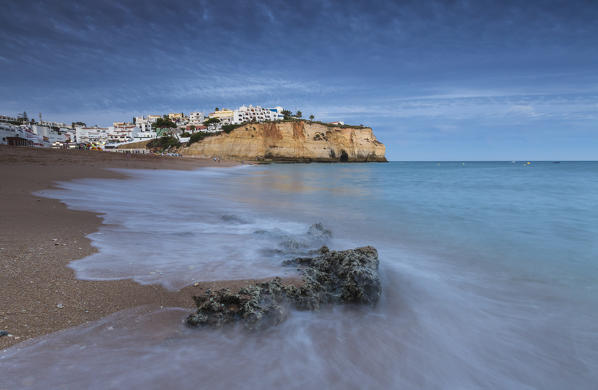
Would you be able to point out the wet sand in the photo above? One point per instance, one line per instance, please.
(39, 294)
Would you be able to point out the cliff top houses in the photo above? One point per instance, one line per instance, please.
(23, 132)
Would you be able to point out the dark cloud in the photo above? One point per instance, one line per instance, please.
(74, 58)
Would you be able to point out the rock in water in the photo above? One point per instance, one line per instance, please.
(256, 306)
(317, 230)
(349, 276)
(337, 277)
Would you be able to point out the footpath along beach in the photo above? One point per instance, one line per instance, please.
(39, 293)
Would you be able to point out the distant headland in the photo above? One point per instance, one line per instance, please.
(291, 141)
(247, 133)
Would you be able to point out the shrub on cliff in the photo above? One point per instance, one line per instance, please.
(196, 137)
(164, 143)
(228, 128)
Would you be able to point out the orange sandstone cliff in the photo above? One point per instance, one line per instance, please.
(299, 141)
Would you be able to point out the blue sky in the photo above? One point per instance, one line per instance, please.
(437, 80)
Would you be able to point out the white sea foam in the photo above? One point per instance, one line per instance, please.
(175, 228)
(480, 289)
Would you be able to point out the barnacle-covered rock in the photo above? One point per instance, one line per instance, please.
(349, 276)
(331, 277)
(256, 306)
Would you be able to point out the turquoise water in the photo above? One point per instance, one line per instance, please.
(489, 270)
(539, 219)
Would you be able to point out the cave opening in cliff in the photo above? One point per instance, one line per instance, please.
(344, 156)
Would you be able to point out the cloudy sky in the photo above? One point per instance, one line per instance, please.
(437, 80)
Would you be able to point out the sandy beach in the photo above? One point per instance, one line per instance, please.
(39, 237)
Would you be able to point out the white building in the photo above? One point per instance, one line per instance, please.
(21, 136)
(71, 135)
(52, 124)
(12, 135)
(144, 126)
(35, 135)
(121, 132)
(144, 135)
(92, 135)
(50, 134)
(5, 118)
(276, 113)
(196, 118)
(257, 114)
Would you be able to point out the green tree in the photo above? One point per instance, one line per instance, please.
(228, 128)
(311, 117)
(286, 113)
(299, 114)
(209, 121)
(216, 109)
(163, 123)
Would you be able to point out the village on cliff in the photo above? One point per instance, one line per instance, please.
(24, 131)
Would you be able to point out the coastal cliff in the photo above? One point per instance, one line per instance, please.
(296, 141)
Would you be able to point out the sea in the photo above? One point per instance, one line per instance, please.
(489, 273)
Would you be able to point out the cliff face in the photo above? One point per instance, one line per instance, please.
(291, 141)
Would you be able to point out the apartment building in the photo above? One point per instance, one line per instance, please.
(257, 114)
(122, 132)
(94, 135)
(196, 118)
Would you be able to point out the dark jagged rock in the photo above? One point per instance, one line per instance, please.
(349, 276)
(331, 277)
(3, 333)
(317, 230)
(256, 306)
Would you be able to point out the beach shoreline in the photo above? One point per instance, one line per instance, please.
(39, 237)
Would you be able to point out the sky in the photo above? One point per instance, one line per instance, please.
(436, 80)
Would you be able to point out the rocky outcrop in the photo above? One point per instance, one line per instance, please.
(337, 277)
(298, 141)
(257, 306)
(349, 276)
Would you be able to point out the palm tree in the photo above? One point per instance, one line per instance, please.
(311, 117)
